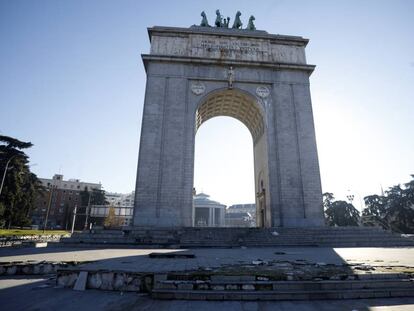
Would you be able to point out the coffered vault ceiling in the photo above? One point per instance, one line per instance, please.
(232, 103)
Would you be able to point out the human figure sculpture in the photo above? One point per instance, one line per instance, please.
(250, 25)
(226, 22)
(204, 22)
(230, 76)
(219, 21)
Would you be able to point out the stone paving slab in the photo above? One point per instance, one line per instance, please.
(137, 260)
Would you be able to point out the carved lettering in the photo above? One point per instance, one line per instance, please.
(230, 47)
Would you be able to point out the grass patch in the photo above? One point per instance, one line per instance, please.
(20, 232)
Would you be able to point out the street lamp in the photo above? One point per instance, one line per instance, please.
(350, 198)
(5, 171)
(48, 207)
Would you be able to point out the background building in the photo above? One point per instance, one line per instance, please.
(241, 215)
(63, 196)
(208, 213)
(120, 199)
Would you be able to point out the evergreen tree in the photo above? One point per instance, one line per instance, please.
(19, 187)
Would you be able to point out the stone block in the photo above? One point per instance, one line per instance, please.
(185, 286)
(119, 281)
(94, 281)
(134, 284)
(67, 279)
(27, 269)
(11, 270)
(402, 293)
(48, 268)
(248, 287)
(81, 281)
(217, 287)
(232, 287)
(107, 280)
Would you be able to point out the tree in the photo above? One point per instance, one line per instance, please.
(375, 211)
(112, 220)
(376, 205)
(89, 197)
(394, 210)
(328, 198)
(97, 197)
(339, 213)
(20, 186)
(400, 211)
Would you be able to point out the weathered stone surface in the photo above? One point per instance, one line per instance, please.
(217, 287)
(48, 268)
(228, 45)
(119, 282)
(186, 286)
(67, 280)
(134, 284)
(107, 280)
(94, 281)
(80, 283)
(248, 287)
(232, 287)
(11, 270)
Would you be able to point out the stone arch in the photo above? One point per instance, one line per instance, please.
(186, 86)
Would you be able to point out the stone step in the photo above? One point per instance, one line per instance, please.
(251, 237)
(230, 288)
(280, 295)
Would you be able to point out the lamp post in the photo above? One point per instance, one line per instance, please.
(48, 208)
(5, 171)
(350, 198)
(74, 218)
(87, 210)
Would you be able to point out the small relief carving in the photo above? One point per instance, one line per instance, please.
(198, 88)
(230, 76)
(262, 91)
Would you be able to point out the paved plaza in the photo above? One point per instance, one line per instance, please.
(137, 260)
(41, 292)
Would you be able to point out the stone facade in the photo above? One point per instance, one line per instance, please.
(63, 195)
(197, 73)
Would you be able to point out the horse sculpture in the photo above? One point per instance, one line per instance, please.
(219, 21)
(225, 22)
(237, 22)
(204, 22)
(250, 25)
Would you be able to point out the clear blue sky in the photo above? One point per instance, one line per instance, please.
(72, 82)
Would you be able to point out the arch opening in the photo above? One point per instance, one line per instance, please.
(243, 107)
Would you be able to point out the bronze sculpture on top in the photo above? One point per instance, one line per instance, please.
(204, 21)
(237, 22)
(250, 25)
(222, 22)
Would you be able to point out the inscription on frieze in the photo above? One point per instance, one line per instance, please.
(230, 48)
(227, 46)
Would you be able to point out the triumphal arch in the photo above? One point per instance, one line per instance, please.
(197, 73)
